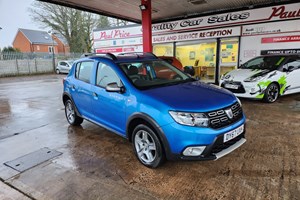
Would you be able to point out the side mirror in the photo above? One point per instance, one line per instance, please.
(113, 87)
(289, 69)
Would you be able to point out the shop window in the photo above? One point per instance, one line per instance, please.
(163, 49)
(199, 55)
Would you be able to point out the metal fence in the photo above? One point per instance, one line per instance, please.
(14, 63)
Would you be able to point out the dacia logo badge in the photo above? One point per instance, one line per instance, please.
(229, 113)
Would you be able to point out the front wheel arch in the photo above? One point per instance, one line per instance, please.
(142, 118)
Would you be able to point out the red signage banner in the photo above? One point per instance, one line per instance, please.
(294, 38)
(110, 50)
(115, 50)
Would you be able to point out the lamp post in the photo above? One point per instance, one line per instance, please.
(53, 58)
(0, 48)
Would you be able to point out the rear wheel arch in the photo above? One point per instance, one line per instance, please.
(65, 97)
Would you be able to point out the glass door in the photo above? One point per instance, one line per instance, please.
(229, 48)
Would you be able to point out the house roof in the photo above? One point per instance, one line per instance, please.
(62, 38)
(37, 37)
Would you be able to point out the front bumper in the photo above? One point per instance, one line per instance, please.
(245, 89)
(218, 149)
(185, 136)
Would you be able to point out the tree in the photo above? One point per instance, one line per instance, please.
(10, 49)
(75, 25)
(119, 22)
(103, 22)
(10, 53)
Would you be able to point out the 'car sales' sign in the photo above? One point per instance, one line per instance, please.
(274, 13)
(283, 12)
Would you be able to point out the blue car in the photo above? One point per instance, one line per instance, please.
(164, 112)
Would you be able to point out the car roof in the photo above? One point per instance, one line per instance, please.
(122, 57)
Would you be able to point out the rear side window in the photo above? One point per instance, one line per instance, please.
(83, 71)
(63, 63)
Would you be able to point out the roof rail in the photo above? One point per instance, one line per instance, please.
(108, 55)
(138, 54)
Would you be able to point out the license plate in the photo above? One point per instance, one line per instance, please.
(233, 134)
(230, 86)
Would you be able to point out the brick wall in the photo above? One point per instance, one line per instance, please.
(22, 43)
(61, 48)
(42, 48)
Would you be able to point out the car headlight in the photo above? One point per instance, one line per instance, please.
(253, 79)
(225, 76)
(190, 119)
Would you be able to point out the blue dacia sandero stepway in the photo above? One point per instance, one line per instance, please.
(164, 112)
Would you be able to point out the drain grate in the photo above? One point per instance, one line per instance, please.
(32, 159)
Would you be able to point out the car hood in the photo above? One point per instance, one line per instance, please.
(242, 74)
(192, 97)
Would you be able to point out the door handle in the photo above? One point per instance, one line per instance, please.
(72, 87)
(95, 94)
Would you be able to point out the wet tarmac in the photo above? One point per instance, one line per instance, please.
(97, 164)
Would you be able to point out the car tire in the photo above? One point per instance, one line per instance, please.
(147, 147)
(57, 71)
(71, 114)
(271, 93)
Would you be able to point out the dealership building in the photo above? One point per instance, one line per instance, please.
(213, 44)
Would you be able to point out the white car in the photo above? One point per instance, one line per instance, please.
(64, 66)
(265, 77)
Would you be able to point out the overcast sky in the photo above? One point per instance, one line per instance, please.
(14, 14)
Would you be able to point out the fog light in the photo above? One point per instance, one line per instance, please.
(193, 151)
(252, 90)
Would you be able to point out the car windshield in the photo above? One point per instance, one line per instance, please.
(266, 62)
(150, 74)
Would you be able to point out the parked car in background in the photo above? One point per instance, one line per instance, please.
(64, 66)
(265, 77)
(173, 61)
(173, 117)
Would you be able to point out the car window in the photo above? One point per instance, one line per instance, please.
(83, 71)
(106, 75)
(63, 63)
(266, 62)
(156, 73)
(293, 64)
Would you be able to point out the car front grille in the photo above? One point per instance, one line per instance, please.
(221, 118)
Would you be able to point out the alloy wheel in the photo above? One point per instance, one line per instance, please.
(273, 93)
(70, 113)
(145, 146)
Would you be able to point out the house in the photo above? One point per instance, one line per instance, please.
(62, 43)
(34, 41)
